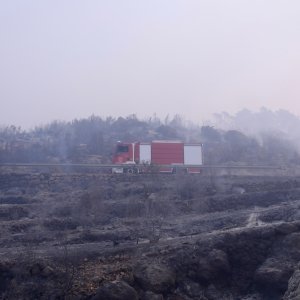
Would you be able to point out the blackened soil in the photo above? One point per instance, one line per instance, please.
(65, 236)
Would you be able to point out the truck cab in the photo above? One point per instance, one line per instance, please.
(122, 153)
(125, 154)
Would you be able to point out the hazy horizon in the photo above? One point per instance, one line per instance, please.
(72, 59)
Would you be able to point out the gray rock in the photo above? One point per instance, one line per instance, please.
(219, 261)
(47, 271)
(152, 196)
(156, 278)
(36, 269)
(212, 293)
(238, 190)
(293, 291)
(214, 266)
(151, 296)
(252, 297)
(192, 289)
(205, 271)
(286, 228)
(273, 275)
(116, 290)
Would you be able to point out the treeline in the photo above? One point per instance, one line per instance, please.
(232, 146)
(95, 136)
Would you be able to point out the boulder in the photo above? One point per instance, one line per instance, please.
(36, 269)
(273, 276)
(116, 290)
(6, 275)
(205, 271)
(47, 272)
(255, 296)
(151, 296)
(293, 291)
(156, 278)
(212, 293)
(191, 288)
(213, 266)
(286, 228)
(219, 261)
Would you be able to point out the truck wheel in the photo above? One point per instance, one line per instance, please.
(130, 171)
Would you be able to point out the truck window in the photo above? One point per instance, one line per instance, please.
(122, 149)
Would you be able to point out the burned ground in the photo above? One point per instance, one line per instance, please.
(99, 236)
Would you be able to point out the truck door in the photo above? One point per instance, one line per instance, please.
(145, 153)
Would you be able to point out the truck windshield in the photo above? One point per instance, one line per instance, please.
(122, 149)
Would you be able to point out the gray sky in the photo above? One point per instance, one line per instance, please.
(69, 59)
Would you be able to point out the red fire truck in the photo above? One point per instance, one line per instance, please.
(161, 155)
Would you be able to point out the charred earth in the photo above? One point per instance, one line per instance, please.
(101, 236)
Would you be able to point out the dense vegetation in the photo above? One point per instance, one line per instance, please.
(95, 136)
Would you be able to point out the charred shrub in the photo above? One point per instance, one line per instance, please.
(62, 211)
(187, 187)
(60, 224)
(20, 227)
(135, 208)
(91, 208)
(127, 189)
(13, 200)
(6, 275)
(286, 214)
(13, 213)
(91, 201)
(97, 236)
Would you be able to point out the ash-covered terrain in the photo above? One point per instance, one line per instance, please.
(152, 236)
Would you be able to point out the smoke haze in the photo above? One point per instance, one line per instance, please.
(71, 59)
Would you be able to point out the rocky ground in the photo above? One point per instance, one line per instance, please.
(101, 236)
